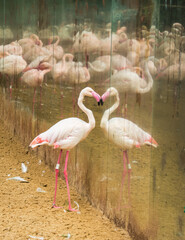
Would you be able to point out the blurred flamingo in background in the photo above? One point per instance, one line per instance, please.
(34, 51)
(103, 64)
(128, 81)
(55, 49)
(59, 71)
(35, 77)
(66, 134)
(124, 133)
(28, 42)
(61, 68)
(11, 65)
(71, 72)
(86, 42)
(12, 48)
(76, 74)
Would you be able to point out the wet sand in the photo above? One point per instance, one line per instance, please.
(27, 213)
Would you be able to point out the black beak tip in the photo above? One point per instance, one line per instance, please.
(100, 102)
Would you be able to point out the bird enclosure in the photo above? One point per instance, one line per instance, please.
(52, 49)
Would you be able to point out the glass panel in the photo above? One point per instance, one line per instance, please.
(167, 165)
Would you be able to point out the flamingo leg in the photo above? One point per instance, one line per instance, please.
(129, 173)
(123, 177)
(65, 174)
(125, 107)
(138, 99)
(61, 103)
(74, 96)
(40, 95)
(11, 83)
(86, 59)
(34, 95)
(56, 179)
(124, 168)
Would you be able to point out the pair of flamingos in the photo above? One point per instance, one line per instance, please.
(67, 133)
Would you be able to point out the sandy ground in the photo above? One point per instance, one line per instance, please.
(26, 213)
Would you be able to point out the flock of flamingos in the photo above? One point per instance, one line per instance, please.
(132, 65)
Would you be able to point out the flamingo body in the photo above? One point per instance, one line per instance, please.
(121, 131)
(127, 134)
(129, 81)
(124, 133)
(12, 64)
(33, 77)
(65, 134)
(55, 49)
(13, 48)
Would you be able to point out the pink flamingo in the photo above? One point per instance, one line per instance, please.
(76, 74)
(66, 134)
(128, 81)
(35, 77)
(61, 68)
(26, 43)
(34, 51)
(12, 48)
(86, 42)
(12, 65)
(55, 49)
(38, 60)
(104, 63)
(124, 133)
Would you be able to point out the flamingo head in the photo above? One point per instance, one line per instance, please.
(109, 92)
(89, 92)
(44, 65)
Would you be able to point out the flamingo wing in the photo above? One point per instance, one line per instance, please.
(127, 134)
(119, 134)
(65, 134)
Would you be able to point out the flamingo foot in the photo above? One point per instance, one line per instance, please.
(73, 210)
(54, 206)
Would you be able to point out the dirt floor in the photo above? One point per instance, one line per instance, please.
(26, 213)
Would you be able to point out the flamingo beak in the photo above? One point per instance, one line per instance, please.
(97, 97)
(104, 96)
(100, 102)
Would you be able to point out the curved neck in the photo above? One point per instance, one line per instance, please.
(43, 72)
(87, 111)
(108, 112)
(69, 56)
(148, 78)
(52, 39)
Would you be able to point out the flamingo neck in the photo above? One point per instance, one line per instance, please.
(149, 79)
(108, 112)
(87, 111)
(70, 56)
(52, 39)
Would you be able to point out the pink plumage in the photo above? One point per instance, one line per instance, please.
(124, 134)
(121, 131)
(66, 134)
